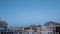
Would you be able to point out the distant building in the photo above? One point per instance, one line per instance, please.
(14, 31)
(33, 29)
(3, 27)
(50, 28)
(44, 30)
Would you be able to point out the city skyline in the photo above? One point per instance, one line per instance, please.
(48, 28)
(29, 12)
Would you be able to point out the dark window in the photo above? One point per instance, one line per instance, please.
(50, 32)
(47, 27)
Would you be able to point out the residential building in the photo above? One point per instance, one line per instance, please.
(3, 27)
(14, 31)
(50, 28)
(33, 29)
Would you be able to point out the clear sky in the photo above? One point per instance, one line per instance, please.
(29, 12)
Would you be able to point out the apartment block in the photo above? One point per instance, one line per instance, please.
(48, 28)
(3, 27)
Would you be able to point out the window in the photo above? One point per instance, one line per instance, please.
(47, 27)
(50, 32)
(50, 28)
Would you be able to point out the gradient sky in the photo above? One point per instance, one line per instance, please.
(29, 12)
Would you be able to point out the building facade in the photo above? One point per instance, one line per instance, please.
(50, 28)
(3, 27)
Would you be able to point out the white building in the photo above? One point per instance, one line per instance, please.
(50, 28)
(33, 30)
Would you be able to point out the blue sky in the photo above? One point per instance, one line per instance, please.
(29, 12)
